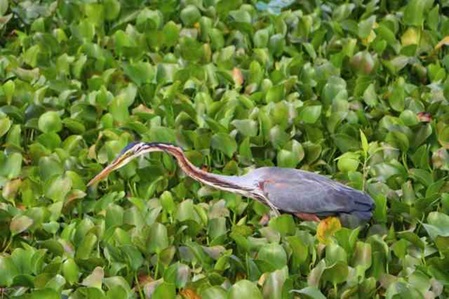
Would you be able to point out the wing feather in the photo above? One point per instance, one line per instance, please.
(294, 191)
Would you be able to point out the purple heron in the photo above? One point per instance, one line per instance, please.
(307, 195)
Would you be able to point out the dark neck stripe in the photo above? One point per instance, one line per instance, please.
(199, 174)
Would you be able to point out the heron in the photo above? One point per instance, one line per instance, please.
(307, 195)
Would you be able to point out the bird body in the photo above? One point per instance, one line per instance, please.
(305, 194)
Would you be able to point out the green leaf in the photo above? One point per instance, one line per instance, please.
(291, 157)
(362, 259)
(334, 254)
(86, 247)
(186, 211)
(170, 33)
(443, 136)
(70, 271)
(45, 294)
(7, 271)
(366, 26)
(117, 284)
(370, 96)
(11, 165)
(261, 38)
(164, 290)
(244, 289)
(276, 45)
(50, 122)
(49, 167)
(349, 161)
(158, 238)
(140, 72)
(283, 224)
(224, 143)
(414, 12)
(190, 15)
(310, 114)
(167, 202)
(31, 55)
(300, 251)
(275, 93)
(364, 143)
(111, 9)
(134, 257)
(311, 292)
(3, 7)
(5, 124)
(274, 283)
(246, 126)
(214, 292)
(9, 88)
(57, 188)
(337, 273)
(437, 225)
(273, 254)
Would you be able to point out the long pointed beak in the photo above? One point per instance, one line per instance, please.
(103, 174)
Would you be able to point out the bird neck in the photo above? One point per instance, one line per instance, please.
(222, 182)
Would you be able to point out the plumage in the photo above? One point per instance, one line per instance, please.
(293, 191)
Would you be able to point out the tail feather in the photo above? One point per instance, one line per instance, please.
(362, 211)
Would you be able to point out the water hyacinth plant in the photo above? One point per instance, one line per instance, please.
(354, 90)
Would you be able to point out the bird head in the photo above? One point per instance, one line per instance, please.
(128, 153)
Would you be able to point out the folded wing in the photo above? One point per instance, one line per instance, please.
(297, 191)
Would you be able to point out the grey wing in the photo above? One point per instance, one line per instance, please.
(296, 191)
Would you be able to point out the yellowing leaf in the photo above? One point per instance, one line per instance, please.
(443, 42)
(19, 224)
(411, 37)
(95, 279)
(189, 294)
(237, 76)
(327, 228)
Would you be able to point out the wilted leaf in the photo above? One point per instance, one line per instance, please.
(19, 224)
(327, 228)
(95, 279)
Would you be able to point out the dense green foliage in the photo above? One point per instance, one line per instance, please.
(352, 89)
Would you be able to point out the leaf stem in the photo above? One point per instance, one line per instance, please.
(139, 288)
(8, 244)
(156, 271)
